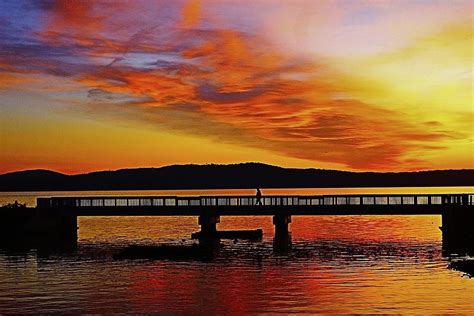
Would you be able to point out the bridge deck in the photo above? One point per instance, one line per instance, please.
(404, 204)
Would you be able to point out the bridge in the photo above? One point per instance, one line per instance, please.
(406, 204)
(59, 214)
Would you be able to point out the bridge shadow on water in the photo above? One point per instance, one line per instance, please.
(42, 245)
(282, 250)
(281, 246)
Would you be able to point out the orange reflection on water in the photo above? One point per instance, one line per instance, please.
(342, 228)
(135, 229)
(337, 264)
(386, 228)
(211, 289)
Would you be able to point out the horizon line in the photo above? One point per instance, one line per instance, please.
(229, 164)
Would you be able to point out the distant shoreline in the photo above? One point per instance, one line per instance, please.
(221, 177)
(249, 188)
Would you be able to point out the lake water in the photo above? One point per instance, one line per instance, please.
(336, 264)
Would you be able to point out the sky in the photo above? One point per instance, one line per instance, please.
(362, 85)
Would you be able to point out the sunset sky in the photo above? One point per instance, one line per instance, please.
(354, 85)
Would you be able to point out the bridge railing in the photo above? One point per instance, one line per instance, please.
(270, 200)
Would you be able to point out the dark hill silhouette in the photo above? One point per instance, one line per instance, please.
(24, 180)
(246, 175)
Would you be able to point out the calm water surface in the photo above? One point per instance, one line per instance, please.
(359, 264)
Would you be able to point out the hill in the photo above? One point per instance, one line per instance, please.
(246, 175)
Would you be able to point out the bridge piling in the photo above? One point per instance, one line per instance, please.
(282, 238)
(281, 222)
(35, 228)
(208, 224)
(458, 230)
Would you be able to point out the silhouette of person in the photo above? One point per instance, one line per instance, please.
(259, 197)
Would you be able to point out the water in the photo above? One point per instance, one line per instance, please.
(336, 264)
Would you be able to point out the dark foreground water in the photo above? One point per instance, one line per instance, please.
(356, 264)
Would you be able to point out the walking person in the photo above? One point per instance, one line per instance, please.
(259, 197)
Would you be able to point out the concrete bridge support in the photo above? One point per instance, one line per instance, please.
(458, 230)
(36, 228)
(208, 225)
(281, 223)
(282, 239)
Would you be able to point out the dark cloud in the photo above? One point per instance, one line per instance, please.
(209, 92)
(290, 101)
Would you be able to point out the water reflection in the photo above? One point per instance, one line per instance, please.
(42, 245)
(282, 242)
(245, 277)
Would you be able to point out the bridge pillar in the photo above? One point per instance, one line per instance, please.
(281, 223)
(208, 224)
(458, 230)
(38, 228)
(282, 238)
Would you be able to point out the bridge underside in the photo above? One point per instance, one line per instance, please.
(300, 210)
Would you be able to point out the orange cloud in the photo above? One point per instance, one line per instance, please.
(284, 107)
(191, 13)
(8, 80)
(72, 17)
